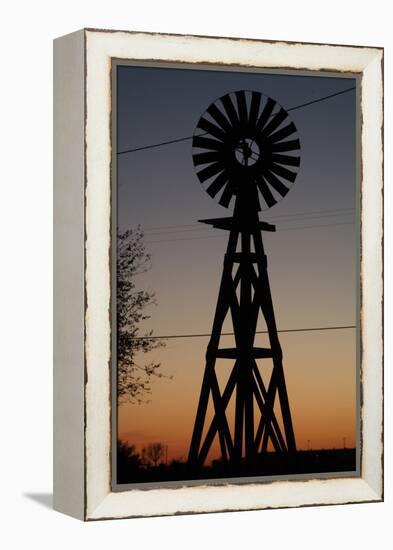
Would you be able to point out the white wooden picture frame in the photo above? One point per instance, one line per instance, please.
(82, 270)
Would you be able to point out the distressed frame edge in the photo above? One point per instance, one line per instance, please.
(371, 482)
(69, 277)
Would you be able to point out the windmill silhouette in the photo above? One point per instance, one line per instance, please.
(243, 158)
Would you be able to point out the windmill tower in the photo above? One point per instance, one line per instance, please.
(242, 154)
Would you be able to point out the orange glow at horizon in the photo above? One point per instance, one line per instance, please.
(321, 388)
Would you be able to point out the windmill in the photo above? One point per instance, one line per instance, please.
(246, 154)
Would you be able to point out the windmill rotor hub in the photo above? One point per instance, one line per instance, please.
(247, 152)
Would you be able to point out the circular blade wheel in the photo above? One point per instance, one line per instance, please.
(245, 144)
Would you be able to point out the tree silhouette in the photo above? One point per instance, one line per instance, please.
(133, 380)
(153, 453)
(127, 453)
(128, 462)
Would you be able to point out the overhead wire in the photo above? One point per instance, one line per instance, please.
(222, 236)
(198, 228)
(287, 330)
(177, 140)
(339, 211)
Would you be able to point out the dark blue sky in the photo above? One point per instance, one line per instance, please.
(161, 104)
(158, 189)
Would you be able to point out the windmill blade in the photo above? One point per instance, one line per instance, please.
(220, 119)
(205, 158)
(276, 183)
(267, 111)
(286, 159)
(211, 128)
(275, 122)
(265, 192)
(283, 172)
(242, 107)
(207, 143)
(283, 133)
(227, 194)
(230, 109)
(217, 184)
(254, 108)
(284, 146)
(210, 171)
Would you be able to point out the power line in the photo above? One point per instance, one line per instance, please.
(313, 212)
(169, 142)
(340, 212)
(199, 228)
(158, 144)
(221, 236)
(318, 225)
(322, 98)
(312, 329)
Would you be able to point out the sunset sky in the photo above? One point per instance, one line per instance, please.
(312, 258)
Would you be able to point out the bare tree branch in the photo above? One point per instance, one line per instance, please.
(133, 380)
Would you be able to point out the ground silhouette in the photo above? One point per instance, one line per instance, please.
(132, 468)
